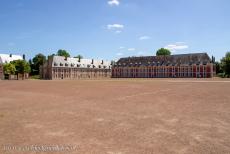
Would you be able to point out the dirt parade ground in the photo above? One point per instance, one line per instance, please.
(115, 116)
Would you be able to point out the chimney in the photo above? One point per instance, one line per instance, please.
(92, 61)
(10, 55)
(102, 62)
(24, 57)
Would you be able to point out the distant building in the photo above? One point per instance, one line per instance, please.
(58, 67)
(195, 65)
(7, 58)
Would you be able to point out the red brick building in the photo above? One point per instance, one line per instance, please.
(197, 65)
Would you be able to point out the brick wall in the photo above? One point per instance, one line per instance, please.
(1, 72)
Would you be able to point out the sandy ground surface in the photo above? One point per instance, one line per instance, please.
(117, 116)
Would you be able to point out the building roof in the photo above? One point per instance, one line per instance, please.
(7, 58)
(180, 59)
(60, 61)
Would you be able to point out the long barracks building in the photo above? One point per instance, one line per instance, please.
(58, 67)
(196, 65)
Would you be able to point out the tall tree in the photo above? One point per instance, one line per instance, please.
(63, 53)
(218, 67)
(163, 52)
(113, 62)
(225, 63)
(38, 60)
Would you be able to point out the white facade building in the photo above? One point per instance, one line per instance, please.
(58, 67)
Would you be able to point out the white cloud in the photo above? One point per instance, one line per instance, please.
(121, 48)
(177, 46)
(115, 26)
(131, 49)
(119, 54)
(144, 38)
(113, 2)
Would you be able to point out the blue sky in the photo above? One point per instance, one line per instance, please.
(110, 29)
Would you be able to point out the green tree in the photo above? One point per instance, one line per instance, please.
(38, 60)
(163, 52)
(113, 62)
(22, 67)
(63, 53)
(218, 67)
(9, 69)
(225, 64)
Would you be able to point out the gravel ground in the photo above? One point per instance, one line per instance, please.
(115, 116)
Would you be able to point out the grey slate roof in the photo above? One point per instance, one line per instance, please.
(7, 58)
(180, 59)
(60, 61)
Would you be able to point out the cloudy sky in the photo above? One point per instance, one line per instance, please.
(110, 29)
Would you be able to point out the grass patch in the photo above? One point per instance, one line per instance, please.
(35, 77)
